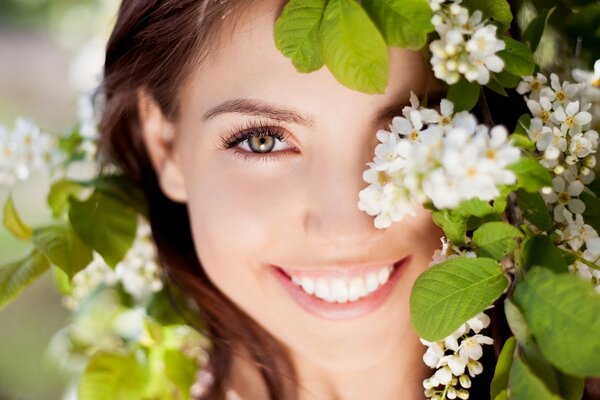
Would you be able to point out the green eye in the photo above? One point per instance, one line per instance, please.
(261, 143)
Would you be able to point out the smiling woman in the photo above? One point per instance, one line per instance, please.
(260, 166)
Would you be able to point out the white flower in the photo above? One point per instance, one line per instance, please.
(571, 117)
(541, 108)
(582, 145)
(560, 94)
(470, 347)
(576, 233)
(532, 85)
(563, 194)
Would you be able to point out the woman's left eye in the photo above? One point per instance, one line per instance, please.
(258, 141)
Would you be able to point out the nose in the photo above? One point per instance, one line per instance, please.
(331, 215)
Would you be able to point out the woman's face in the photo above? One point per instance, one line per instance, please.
(258, 218)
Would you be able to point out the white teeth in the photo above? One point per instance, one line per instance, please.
(342, 290)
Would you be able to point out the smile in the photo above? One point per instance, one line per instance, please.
(341, 293)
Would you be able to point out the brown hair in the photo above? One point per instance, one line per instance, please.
(155, 45)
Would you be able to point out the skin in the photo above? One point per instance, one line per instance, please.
(298, 210)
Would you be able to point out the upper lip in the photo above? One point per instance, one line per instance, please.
(338, 270)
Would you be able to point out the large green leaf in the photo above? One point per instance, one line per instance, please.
(404, 23)
(495, 239)
(105, 224)
(13, 221)
(297, 33)
(525, 385)
(450, 293)
(15, 276)
(61, 245)
(111, 376)
(501, 374)
(353, 49)
(518, 59)
(498, 11)
(563, 313)
(531, 175)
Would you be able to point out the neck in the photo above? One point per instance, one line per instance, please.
(399, 374)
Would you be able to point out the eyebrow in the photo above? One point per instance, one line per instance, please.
(284, 114)
(259, 109)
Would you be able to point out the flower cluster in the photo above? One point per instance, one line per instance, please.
(562, 132)
(138, 272)
(456, 360)
(434, 156)
(467, 45)
(25, 151)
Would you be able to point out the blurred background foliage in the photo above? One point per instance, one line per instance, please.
(50, 54)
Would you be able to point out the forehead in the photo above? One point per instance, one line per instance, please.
(246, 64)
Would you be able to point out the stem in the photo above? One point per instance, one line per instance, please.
(444, 392)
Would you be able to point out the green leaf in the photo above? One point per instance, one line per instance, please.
(516, 322)
(464, 95)
(180, 370)
(495, 239)
(525, 385)
(404, 23)
(111, 376)
(122, 189)
(518, 59)
(453, 224)
(16, 276)
(497, 87)
(297, 33)
(13, 222)
(60, 191)
(105, 224)
(534, 31)
(591, 215)
(563, 313)
(540, 251)
(353, 48)
(507, 80)
(62, 281)
(498, 11)
(570, 387)
(523, 142)
(61, 245)
(531, 175)
(450, 293)
(523, 124)
(503, 395)
(534, 209)
(505, 359)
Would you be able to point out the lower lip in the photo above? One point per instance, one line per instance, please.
(341, 311)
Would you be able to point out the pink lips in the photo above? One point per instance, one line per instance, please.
(340, 311)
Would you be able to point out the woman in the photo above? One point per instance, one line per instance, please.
(252, 172)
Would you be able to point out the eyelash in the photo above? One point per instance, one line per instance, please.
(250, 129)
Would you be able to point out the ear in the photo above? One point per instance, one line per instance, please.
(158, 134)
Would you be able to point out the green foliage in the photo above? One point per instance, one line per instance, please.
(464, 95)
(503, 366)
(495, 239)
(404, 23)
(105, 224)
(453, 224)
(16, 276)
(60, 191)
(297, 33)
(353, 49)
(525, 385)
(13, 221)
(111, 376)
(531, 175)
(518, 59)
(534, 209)
(539, 250)
(534, 31)
(179, 370)
(438, 303)
(61, 245)
(498, 11)
(563, 313)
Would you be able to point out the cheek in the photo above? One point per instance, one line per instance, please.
(236, 213)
